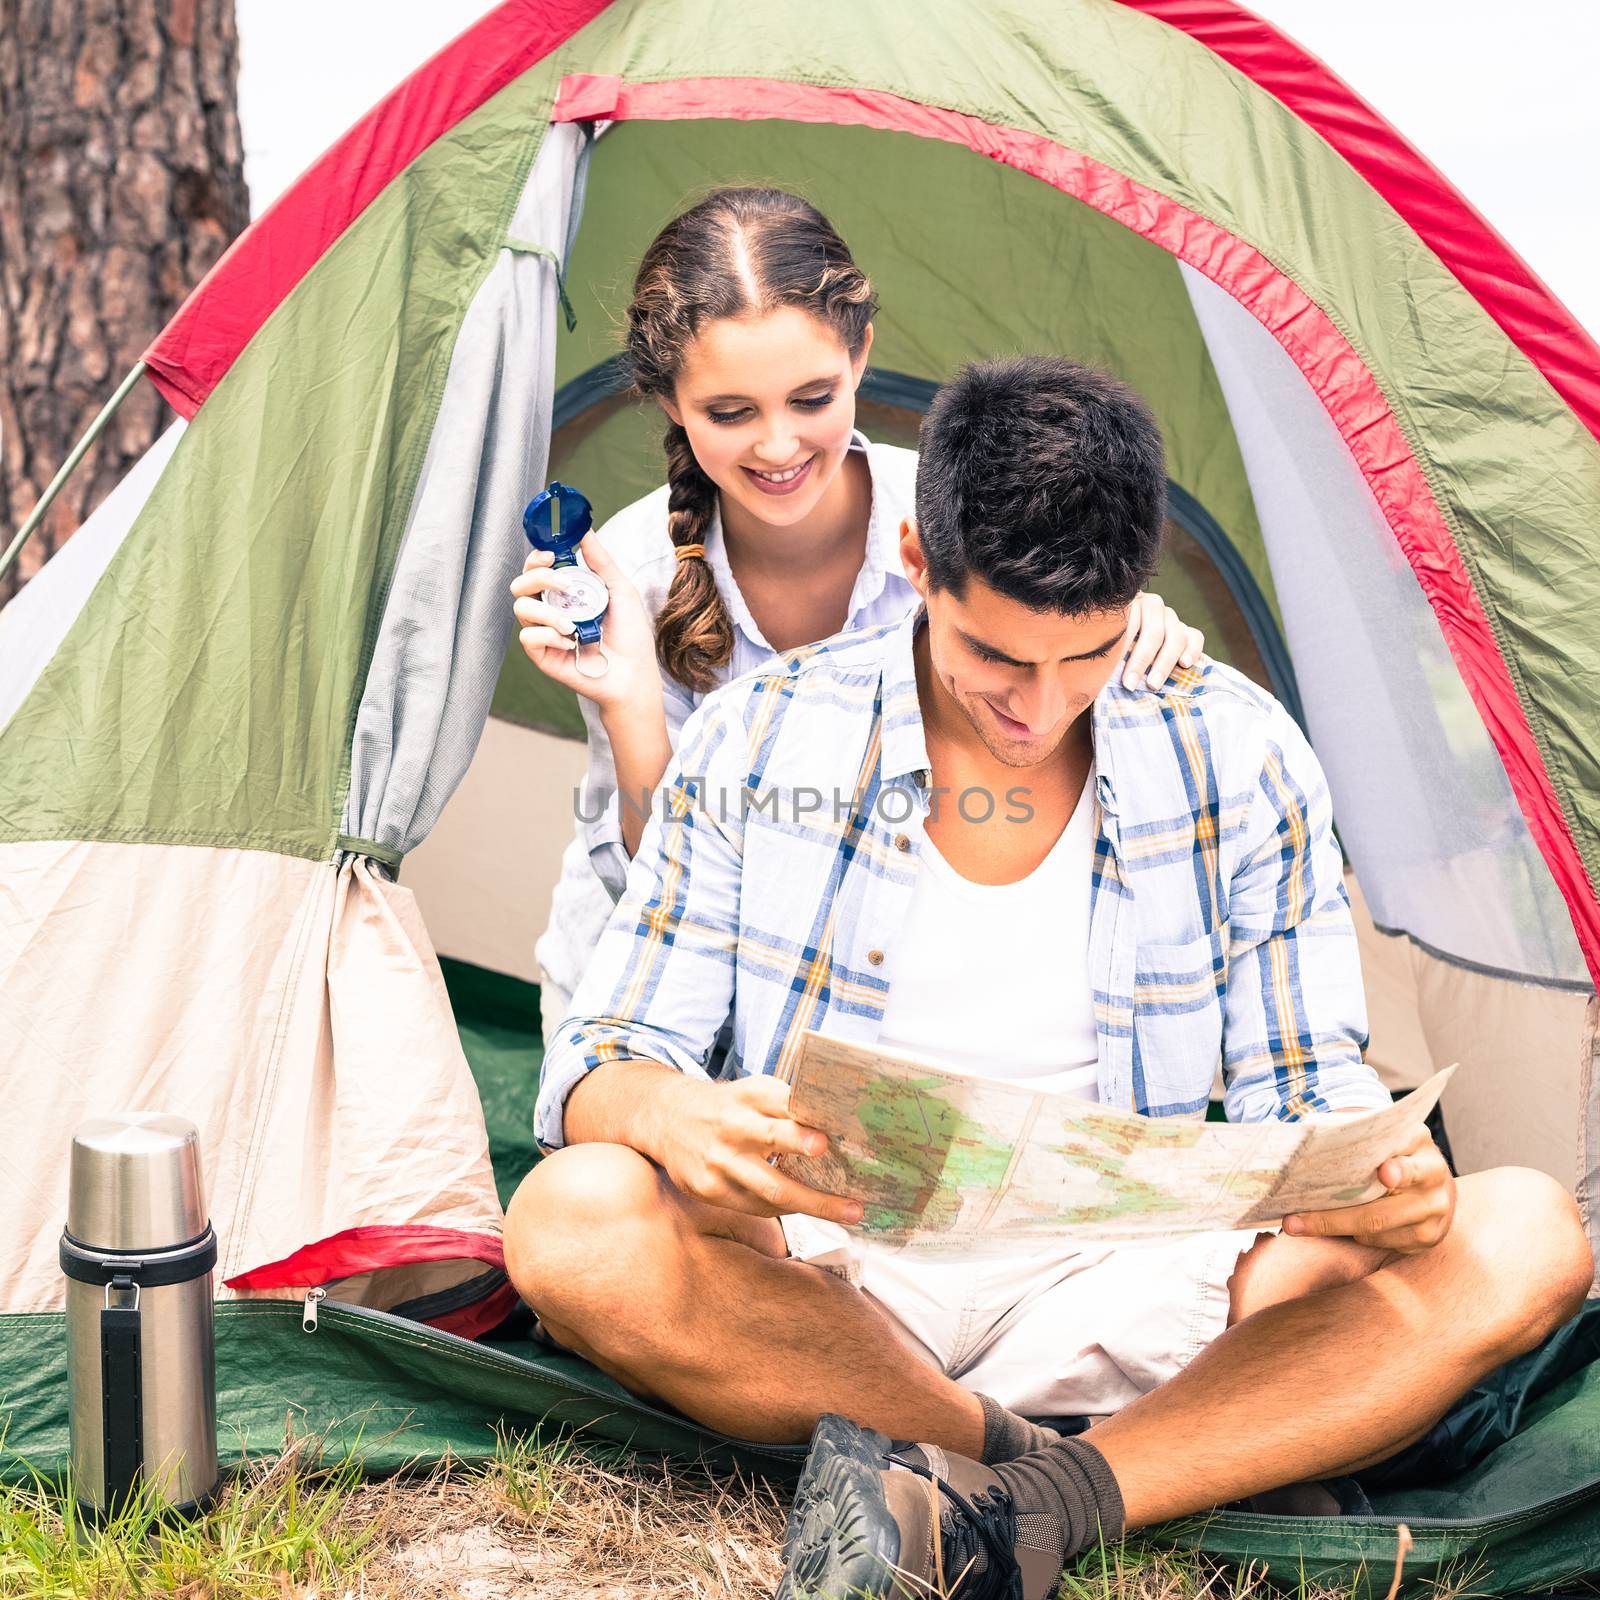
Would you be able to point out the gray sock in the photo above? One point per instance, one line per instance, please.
(1071, 1483)
(1007, 1436)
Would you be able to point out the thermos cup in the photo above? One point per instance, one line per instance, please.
(138, 1252)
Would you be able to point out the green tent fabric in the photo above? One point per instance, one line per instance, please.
(261, 680)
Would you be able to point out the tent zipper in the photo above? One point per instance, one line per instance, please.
(419, 1333)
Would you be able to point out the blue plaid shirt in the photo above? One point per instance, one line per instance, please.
(778, 868)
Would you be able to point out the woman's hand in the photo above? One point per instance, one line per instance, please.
(1157, 640)
(631, 677)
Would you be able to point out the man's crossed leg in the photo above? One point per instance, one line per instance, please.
(1336, 1354)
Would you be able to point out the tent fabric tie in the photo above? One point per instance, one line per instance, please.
(528, 248)
(384, 854)
(580, 184)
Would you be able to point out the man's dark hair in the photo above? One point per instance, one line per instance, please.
(1046, 479)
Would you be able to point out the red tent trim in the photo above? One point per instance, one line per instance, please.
(1441, 216)
(379, 1246)
(1325, 357)
(261, 267)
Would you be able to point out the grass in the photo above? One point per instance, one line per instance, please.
(281, 1527)
(549, 1519)
(552, 1519)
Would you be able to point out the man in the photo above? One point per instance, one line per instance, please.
(962, 837)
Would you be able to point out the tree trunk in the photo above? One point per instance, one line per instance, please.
(121, 182)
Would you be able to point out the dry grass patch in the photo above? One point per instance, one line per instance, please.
(557, 1521)
(548, 1519)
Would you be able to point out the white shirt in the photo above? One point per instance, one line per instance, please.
(993, 979)
(595, 863)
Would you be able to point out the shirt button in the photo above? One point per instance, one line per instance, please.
(901, 842)
(875, 957)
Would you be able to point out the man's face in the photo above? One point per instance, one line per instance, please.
(1020, 677)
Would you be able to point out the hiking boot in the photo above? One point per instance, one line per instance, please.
(874, 1518)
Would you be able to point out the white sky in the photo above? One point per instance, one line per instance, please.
(1505, 100)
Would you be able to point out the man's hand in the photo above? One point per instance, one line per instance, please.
(717, 1141)
(1415, 1214)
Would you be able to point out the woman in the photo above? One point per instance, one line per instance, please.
(778, 525)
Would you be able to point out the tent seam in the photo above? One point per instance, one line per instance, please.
(389, 116)
(1565, 785)
(245, 1199)
(1561, 779)
(1331, 122)
(299, 849)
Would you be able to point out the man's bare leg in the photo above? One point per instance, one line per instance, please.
(1339, 1355)
(678, 1299)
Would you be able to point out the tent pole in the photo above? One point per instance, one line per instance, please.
(57, 483)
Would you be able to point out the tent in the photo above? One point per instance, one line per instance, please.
(265, 758)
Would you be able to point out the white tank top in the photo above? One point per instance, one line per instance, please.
(993, 979)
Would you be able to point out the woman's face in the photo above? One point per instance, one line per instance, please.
(769, 403)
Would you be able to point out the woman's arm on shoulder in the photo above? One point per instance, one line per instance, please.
(1158, 640)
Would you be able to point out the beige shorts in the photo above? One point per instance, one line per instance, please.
(1063, 1334)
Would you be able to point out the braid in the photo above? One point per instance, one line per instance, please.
(694, 634)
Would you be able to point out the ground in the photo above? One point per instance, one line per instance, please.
(547, 1520)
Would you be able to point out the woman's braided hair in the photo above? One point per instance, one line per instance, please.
(738, 252)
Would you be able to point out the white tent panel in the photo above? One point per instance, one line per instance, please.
(1421, 801)
(33, 625)
(313, 1046)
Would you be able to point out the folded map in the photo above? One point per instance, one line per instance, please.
(945, 1162)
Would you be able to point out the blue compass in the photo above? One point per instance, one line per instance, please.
(556, 520)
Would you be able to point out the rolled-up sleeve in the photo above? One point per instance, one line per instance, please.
(600, 808)
(599, 816)
(660, 984)
(1295, 1022)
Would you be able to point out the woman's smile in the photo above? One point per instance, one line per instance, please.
(785, 482)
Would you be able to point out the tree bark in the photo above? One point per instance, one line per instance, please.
(121, 183)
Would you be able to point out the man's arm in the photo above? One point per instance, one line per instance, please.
(1295, 1023)
(628, 1065)
(714, 1140)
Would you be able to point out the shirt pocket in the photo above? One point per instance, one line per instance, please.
(1177, 1019)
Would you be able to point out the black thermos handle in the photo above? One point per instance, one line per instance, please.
(121, 1395)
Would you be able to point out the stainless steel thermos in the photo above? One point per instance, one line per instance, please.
(138, 1252)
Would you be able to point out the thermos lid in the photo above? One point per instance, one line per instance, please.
(134, 1182)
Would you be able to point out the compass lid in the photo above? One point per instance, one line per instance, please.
(556, 519)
